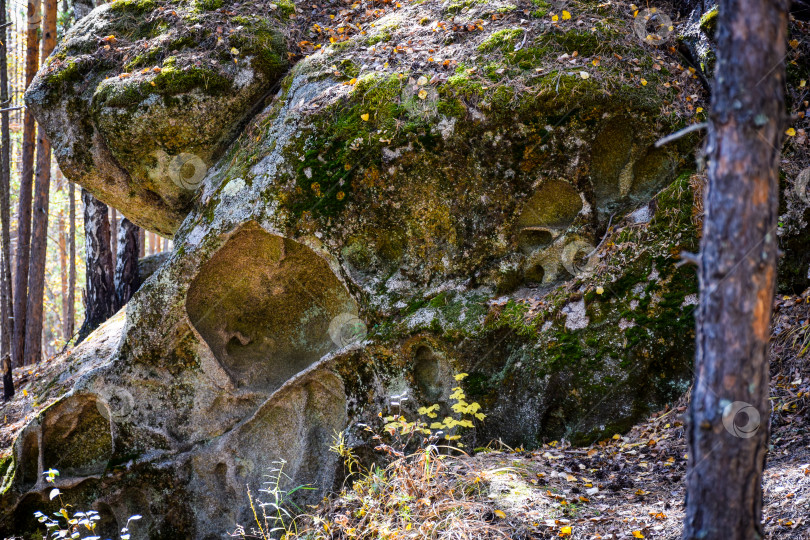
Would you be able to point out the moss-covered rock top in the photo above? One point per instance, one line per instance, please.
(141, 97)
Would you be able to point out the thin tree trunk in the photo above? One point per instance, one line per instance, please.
(126, 268)
(142, 242)
(6, 302)
(26, 179)
(63, 273)
(39, 232)
(728, 416)
(70, 319)
(5, 352)
(114, 231)
(100, 284)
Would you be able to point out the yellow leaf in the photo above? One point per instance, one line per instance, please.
(565, 531)
(600, 290)
(617, 437)
(643, 82)
(637, 534)
(500, 513)
(802, 83)
(422, 94)
(793, 43)
(790, 132)
(461, 376)
(364, 117)
(566, 15)
(699, 109)
(234, 51)
(555, 18)
(25, 393)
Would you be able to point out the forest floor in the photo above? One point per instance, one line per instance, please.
(628, 486)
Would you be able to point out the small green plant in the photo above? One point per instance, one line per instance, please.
(80, 524)
(277, 515)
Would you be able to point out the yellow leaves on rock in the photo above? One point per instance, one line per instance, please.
(566, 15)
(461, 376)
(637, 534)
(565, 531)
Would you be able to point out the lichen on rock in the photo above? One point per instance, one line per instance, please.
(141, 98)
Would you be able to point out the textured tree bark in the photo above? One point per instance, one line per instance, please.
(39, 232)
(6, 302)
(71, 298)
(63, 272)
(728, 416)
(26, 179)
(113, 231)
(100, 285)
(127, 279)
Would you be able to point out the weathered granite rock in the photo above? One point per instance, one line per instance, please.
(373, 233)
(142, 97)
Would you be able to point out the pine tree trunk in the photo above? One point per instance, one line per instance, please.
(70, 319)
(63, 273)
(142, 242)
(126, 268)
(26, 180)
(100, 285)
(113, 231)
(39, 232)
(6, 302)
(728, 416)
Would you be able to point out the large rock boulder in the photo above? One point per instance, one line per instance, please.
(141, 97)
(423, 198)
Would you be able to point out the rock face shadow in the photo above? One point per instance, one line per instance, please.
(263, 305)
